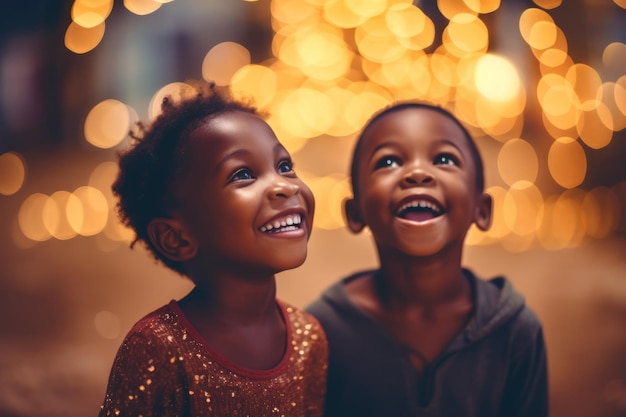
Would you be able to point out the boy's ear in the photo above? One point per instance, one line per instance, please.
(354, 219)
(483, 212)
(171, 240)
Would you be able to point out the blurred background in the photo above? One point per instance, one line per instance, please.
(541, 85)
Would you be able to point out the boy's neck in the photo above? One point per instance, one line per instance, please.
(425, 283)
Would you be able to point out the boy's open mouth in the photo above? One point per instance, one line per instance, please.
(283, 224)
(419, 210)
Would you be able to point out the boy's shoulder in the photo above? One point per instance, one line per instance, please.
(497, 303)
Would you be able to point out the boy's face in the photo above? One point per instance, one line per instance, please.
(417, 184)
(242, 203)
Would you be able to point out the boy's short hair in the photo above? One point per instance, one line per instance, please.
(480, 176)
(150, 167)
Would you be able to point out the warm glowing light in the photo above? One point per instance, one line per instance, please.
(30, 217)
(107, 324)
(257, 82)
(548, 4)
(55, 215)
(223, 60)
(142, 7)
(443, 67)
(89, 14)
(107, 124)
(289, 12)
(562, 226)
(620, 3)
(523, 208)
(620, 94)
(102, 177)
(482, 6)
(585, 82)
(600, 212)
(567, 162)
(529, 18)
(319, 51)
(607, 95)
(342, 98)
(338, 14)
(365, 101)
(305, 112)
(467, 33)
(175, 91)
(496, 78)
(377, 42)
(517, 161)
(499, 228)
(81, 40)
(553, 57)
(451, 8)
(542, 34)
(366, 8)
(88, 211)
(614, 57)
(329, 192)
(12, 173)
(595, 127)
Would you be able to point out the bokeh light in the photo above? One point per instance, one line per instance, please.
(12, 173)
(223, 61)
(108, 123)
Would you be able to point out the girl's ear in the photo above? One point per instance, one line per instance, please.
(483, 211)
(353, 217)
(171, 240)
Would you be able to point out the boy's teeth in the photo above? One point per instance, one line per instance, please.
(287, 222)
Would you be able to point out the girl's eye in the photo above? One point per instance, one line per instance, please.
(285, 166)
(241, 175)
(386, 162)
(446, 159)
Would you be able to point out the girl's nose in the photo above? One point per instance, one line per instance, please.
(283, 188)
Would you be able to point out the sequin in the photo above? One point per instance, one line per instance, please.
(164, 368)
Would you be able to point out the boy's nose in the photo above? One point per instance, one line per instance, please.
(417, 176)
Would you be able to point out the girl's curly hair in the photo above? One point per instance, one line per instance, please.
(148, 170)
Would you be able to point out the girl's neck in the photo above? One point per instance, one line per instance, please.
(232, 300)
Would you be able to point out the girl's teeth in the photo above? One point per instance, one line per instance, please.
(289, 221)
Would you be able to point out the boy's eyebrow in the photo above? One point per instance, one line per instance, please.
(383, 145)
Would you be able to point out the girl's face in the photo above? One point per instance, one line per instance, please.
(417, 184)
(242, 202)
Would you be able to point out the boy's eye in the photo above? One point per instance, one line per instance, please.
(446, 159)
(386, 162)
(285, 166)
(242, 174)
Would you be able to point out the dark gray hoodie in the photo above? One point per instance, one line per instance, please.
(494, 367)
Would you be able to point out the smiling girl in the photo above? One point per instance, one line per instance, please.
(212, 193)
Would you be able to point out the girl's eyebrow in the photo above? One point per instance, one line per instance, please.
(230, 155)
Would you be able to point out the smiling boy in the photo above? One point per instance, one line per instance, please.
(421, 335)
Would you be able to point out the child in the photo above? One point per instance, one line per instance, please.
(422, 336)
(212, 193)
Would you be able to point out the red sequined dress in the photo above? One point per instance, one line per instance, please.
(165, 368)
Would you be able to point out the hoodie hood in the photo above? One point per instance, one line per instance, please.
(495, 303)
